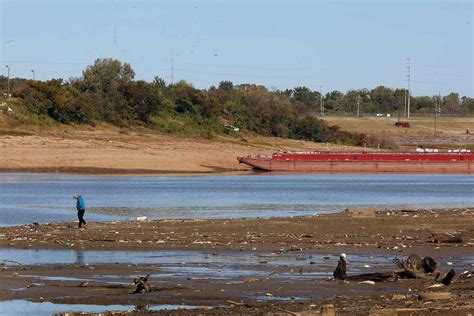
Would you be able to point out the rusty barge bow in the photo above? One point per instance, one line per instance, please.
(422, 161)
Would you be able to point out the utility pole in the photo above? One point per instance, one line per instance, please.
(437, 107)
(33, 72)
(405, 108)
(321, 100)
(358, 105)
(436, 114)
(172, 66)
(408, 77)
(8, 81)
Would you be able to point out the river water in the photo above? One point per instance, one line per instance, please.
(25, 198)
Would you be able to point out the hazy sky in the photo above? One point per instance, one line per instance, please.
(282, 44)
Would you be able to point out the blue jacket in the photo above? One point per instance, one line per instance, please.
(80, 205)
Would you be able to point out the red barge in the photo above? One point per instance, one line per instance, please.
(422, 161)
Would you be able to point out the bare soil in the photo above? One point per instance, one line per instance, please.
(109, 150)
(450, 131)
(106, 149)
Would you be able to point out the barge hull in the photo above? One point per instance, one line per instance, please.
(452, 167)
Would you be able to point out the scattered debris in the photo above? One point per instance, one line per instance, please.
(142, 285)
(237, 303)
(367, 282)
(361, 213)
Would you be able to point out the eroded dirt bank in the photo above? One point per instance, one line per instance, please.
(277, 265)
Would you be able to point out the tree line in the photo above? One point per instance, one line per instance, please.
(108, 92)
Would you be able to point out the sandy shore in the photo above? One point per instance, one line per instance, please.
(268, 265)
(108, 150)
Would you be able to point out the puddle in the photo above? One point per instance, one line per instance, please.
(265, 298)
(226, 266)
(99, 278)
(24, 307)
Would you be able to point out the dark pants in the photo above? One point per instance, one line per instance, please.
(80, 215)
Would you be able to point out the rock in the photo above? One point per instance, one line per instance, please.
(398, 297)
(446, 236)
(367, 282)
(434, 296)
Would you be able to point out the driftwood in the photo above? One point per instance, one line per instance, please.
(142, 285)
(414, 267)
(341, 273)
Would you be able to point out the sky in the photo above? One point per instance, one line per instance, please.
(339, 45)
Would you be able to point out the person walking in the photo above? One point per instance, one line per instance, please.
(81, 209)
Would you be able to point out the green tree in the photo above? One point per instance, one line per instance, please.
(105, 76)
(451, 103)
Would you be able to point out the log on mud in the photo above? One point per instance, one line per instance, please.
(341, 273)
(414, 267)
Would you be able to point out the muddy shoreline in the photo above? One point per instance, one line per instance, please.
(366, 229)
(267, 264)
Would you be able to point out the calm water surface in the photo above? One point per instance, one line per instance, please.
(25, 198)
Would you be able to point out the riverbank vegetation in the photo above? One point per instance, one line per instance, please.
(108, 92)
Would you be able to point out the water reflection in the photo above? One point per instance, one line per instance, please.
(80, 257)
